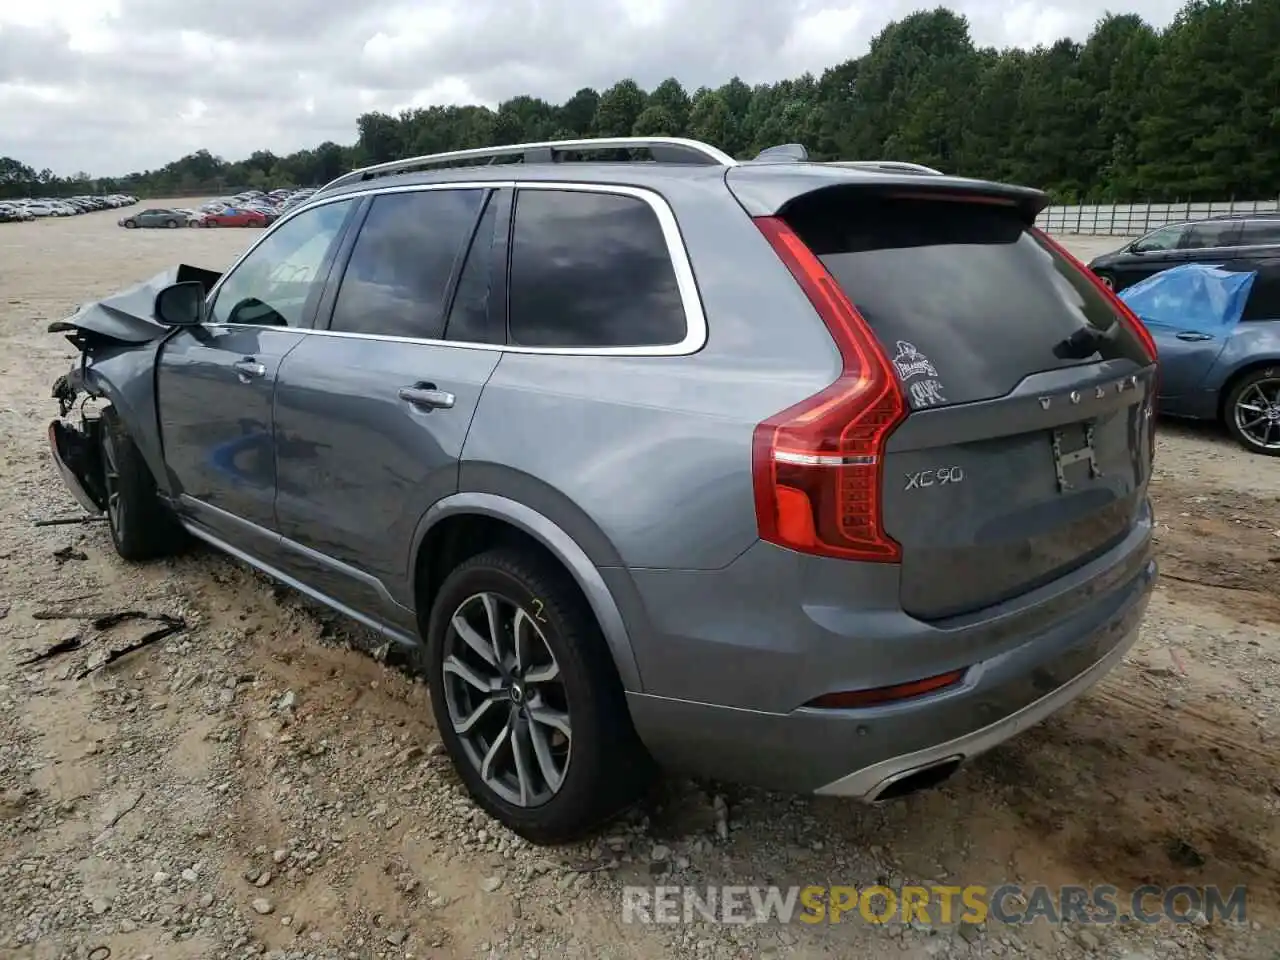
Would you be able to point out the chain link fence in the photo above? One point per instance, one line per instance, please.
(1135, 219)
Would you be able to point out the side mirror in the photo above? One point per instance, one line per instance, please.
(181, 304)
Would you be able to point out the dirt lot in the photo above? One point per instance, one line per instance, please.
(258, 784)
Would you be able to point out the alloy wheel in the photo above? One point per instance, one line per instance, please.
(111, 481)
(1257, 413)
(506, 700)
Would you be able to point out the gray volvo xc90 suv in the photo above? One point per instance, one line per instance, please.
(816, 476)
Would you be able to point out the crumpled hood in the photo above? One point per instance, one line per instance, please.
(129, 315)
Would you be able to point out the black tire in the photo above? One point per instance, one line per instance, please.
(130, 224)
(171, 224)
(141, 526)
(1107, 280)
(1256, 388)
(607, 767)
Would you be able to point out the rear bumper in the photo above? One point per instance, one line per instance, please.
(871, 781)
(746, 721)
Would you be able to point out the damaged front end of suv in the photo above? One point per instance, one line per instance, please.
(117, 339)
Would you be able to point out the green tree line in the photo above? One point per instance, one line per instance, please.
(1190, 112)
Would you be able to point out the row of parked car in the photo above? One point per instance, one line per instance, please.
(252, 208)
(17, 211)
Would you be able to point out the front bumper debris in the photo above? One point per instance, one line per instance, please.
(75, 455)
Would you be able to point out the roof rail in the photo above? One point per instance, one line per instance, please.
(902, 166)
(663, 149)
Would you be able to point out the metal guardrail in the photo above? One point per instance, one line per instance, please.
(1136, 219)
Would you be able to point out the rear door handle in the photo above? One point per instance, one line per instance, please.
(426, 396)
(1193, 336)
(249, 369)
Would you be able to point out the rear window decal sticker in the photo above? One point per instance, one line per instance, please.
(911, 362)
(926, 393)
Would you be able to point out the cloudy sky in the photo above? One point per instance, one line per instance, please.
(111, 86)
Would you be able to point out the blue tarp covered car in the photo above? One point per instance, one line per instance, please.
(1217, 330)
(1191, 297)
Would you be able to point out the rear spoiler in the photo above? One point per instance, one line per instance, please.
(766, 190)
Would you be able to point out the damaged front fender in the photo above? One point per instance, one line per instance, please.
(119, 340)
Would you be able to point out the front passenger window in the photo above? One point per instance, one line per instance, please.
(274, 283)
(1166, 238)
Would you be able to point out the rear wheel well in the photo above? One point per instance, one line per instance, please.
(1235, 379)
(457, 539)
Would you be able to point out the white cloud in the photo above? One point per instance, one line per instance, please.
(118, 85)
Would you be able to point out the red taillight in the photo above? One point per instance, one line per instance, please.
(817, 466)
(1130, 318)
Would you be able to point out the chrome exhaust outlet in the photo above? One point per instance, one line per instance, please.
(913, 781)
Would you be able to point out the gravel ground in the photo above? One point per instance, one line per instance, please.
(260, 784)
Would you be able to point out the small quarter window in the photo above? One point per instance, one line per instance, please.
(591, 270)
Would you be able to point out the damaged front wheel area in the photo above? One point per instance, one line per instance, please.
(106, 473)
(142, 526)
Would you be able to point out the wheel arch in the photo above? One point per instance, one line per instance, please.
(126, 380)
(1232, 380)
(506, 520)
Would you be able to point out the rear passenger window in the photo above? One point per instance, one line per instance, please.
(591, 270)
(471, 313)
(1203, 236)
(398, 276)
(1260, 231)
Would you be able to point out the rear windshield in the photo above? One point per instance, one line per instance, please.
(964, 298)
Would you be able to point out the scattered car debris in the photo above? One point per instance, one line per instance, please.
(64, 521)
(169, 626)
(63, 614)
(100, 622)
(65, 645)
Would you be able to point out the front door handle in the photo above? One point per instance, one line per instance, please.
(249, 369)
(1193, 336)
(426, 396)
